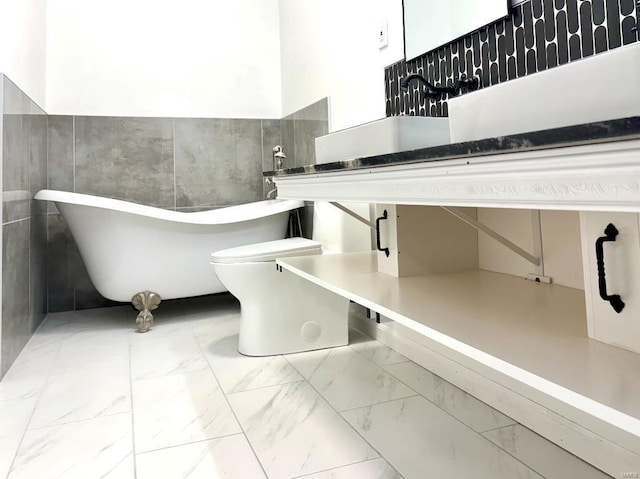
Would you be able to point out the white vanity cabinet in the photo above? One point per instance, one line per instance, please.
(621, 261)
(557, 359)
(424, 240)
(420, 240)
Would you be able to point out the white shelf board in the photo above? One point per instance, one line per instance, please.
(530, 337)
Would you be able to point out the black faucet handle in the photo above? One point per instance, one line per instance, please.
(468, 84)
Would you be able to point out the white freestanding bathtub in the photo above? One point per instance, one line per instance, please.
(130, 248)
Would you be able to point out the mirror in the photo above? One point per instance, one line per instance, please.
(429, 24)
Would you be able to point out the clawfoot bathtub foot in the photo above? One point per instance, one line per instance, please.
(145, 302)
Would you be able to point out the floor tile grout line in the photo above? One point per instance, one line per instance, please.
(354, 349)
(133, 426)
(531, 467)
(258, 387)
(515, 423)
(326, 401)
(432, 402)
(59, 342)
(418, 394)
(78, 421)
(346, 465)
(449, 412)
(517, 459)
(231, 393)
(481, 434)
(381, 345)
(173, 373)
(345, 421)
(386, 401)
(67, 370)
(35, 406)
(224, 394)
(352, 346)
(197, 441)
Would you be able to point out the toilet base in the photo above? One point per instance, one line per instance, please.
(282, 313)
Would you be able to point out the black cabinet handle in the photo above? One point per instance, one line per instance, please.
(378, 220)
(614, 299)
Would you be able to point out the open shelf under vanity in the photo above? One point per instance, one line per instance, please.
(528, 337)
(560, 359)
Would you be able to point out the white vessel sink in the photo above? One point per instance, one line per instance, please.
(601, 87)
(388, 135)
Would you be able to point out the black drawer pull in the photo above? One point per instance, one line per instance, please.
(378, 220)
(614, 299)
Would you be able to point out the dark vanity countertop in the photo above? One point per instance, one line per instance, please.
(589, 133)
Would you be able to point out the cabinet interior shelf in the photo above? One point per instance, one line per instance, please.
(529, 337)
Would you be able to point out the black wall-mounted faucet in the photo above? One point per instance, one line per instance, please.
(438, 92)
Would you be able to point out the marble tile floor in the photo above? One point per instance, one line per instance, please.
(91, 398)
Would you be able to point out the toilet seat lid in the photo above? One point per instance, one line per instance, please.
(267, 251)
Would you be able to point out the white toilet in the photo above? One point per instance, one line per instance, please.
(280, 311)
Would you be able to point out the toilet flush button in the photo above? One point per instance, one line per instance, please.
(310, 331)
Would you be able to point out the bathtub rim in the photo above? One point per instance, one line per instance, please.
(223, 215)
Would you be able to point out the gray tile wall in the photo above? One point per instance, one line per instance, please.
(218, 162)
(185, 164)
(299, 131)
(125, 158)
(271, 136)
(24, 259)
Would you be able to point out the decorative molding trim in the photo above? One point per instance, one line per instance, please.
(602, 177)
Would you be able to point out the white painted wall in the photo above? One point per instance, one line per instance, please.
(516, 225)
(22, 45)
(330, 48)
(193, 58)
(561, 249)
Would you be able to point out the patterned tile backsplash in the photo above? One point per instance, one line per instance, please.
(538, 35)
(299, 131)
